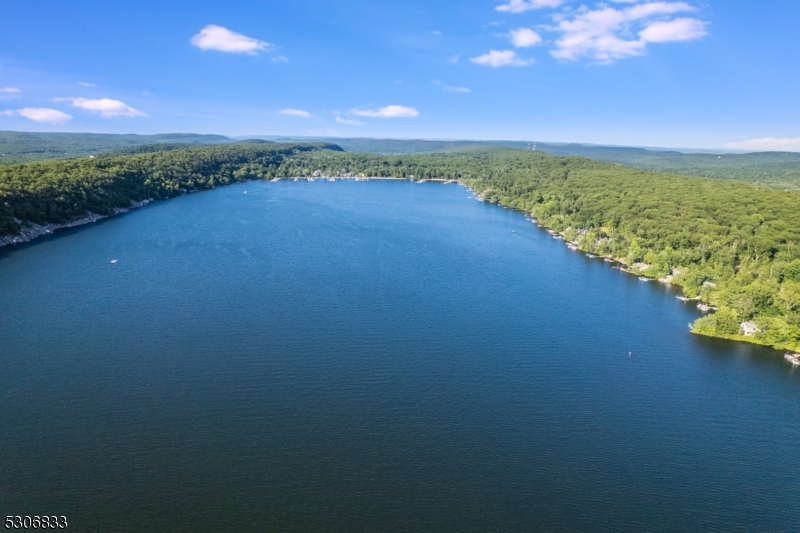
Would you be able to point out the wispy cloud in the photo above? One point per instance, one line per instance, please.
(520, 6)
(436, 32)
(768, 144)
(451, 88)
(524, 37)
(105, 107)
(40, 114)
(86, 84)
(349, 121)
(498, 58)
(390, 111)
(214, 37)
(9, 92)
(607, 34)
(302, 113)
(682, 29)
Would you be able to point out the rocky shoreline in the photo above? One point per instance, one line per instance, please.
(32, 231)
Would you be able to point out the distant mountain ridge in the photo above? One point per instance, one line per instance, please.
(772, 169)
(21, 147)
(779, 170)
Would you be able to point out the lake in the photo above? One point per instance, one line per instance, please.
(382, 356)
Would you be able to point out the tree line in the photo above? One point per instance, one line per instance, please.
(732, 244)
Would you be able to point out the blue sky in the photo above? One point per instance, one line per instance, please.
(635, 72)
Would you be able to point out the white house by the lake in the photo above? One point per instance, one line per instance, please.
(749, 329)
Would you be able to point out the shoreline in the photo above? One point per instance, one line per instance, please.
(621, 265)
(33, 231)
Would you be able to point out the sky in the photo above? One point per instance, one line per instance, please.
(717, 74)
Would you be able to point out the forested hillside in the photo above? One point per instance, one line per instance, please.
(58, 191)
(21, 147)
(771, 169)
(780, 170)
(733, 244)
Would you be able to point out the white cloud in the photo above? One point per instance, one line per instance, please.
(214, 37)
(436, 32)
(280, 59)
(454, 59)
(86, 84)
(105, 107)
(524, 37)
(390, 111)
(41, 114)
(296, 113)
(505, 58)
(606, 34)
(682, 29)
(9, 92)
(350, 121)
(451, 88)
(520, 6)
(769, 144)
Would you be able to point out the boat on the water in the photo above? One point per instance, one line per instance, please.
(793, 358)
(642, 278)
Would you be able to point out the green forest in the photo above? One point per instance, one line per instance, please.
(23, 146)
(732, 244)
(779, 170)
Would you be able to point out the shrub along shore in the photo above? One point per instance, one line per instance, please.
(731, 244)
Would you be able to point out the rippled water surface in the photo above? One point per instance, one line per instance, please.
(373, 357)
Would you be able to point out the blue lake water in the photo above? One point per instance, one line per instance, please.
(381, 356)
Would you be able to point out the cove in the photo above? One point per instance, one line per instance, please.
(382, 356)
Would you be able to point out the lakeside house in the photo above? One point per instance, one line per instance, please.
(749, 329)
